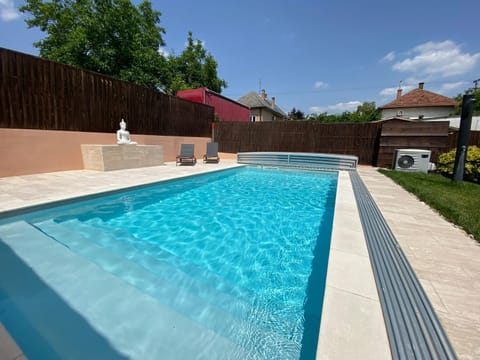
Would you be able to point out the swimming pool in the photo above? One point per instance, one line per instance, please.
(236, 260)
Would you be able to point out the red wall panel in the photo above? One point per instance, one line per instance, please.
(226, 109)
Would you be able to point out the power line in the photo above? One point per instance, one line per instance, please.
(330, 90)
(333, 90)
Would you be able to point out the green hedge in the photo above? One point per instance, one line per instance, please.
(446, 161)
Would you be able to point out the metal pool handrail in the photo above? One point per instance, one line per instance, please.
(299, 160)
(413, 328)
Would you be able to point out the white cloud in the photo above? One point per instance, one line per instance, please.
(392, 91)
(387, 92)
(449, 87)
(8, 11)
(320, 85)
(165, 53)
(438, 59)
(389, 57)
(336, 108)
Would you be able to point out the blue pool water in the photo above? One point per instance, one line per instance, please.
(240, 254)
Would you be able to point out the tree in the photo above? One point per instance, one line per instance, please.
(476, 106)
(325, 118)
(296, 114)
(365, 112)
(112, 37)
(193, 68)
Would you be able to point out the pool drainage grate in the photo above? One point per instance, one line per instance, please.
(413, 329)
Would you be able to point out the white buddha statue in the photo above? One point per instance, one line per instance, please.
(123, 135)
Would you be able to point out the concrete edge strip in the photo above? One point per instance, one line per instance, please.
(413, 329)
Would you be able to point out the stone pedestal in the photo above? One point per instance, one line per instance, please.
(117, 157)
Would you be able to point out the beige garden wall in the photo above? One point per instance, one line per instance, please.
(26, 152)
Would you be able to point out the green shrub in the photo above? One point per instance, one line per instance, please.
(446, 161)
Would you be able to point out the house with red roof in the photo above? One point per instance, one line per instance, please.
(418, 104)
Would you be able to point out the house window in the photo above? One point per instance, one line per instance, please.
(252, 118)
(274, 118)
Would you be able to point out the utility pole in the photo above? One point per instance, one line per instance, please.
(463, 136)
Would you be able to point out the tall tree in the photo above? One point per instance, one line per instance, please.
(112, 37)
(193, 68)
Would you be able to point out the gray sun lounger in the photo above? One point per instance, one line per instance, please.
(187, 155)
(212, 153)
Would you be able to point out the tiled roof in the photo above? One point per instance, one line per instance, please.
(419, 98)
(253, 100)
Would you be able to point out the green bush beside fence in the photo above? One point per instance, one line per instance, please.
(446, 162)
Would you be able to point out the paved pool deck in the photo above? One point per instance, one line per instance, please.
(445, 259)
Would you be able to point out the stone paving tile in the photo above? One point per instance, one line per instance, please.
(351, 272)
(346, 308)
(466, 342)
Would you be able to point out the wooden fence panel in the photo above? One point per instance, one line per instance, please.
(300, 136)
(398, 134)
(41, 94)
(453, 139)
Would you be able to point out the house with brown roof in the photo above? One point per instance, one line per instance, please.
(262, 109)
(418, 104)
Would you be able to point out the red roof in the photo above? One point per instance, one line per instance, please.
(420, 98)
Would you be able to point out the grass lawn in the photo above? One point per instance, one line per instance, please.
(457, 202)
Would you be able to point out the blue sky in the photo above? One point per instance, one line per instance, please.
(316, 56)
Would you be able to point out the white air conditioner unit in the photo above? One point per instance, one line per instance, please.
(412, 160)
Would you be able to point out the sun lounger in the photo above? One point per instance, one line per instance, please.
(212, 153)
(187, 155)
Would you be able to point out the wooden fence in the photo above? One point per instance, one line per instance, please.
(401, 134)
(373, 143)
(41, 94)
(301, 136)
(453, 139)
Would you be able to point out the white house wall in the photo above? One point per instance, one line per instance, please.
(455, 122)
(263, 114)
(415, 113)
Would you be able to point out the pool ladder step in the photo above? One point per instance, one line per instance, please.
(124, 242)
(167, 291)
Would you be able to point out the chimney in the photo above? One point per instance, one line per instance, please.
(263, 94)
(273, 102)
(399, 93)
(420, 85)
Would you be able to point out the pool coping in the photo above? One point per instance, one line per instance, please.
(352, 324)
